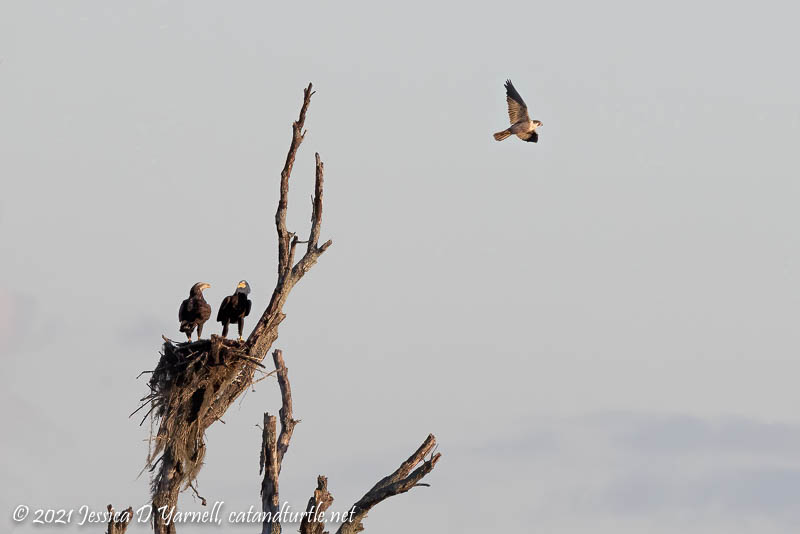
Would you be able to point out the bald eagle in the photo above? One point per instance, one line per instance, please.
(194, 311)
(235, 308)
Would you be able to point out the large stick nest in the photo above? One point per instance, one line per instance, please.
(183, 389)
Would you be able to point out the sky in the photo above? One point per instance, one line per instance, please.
(599, 328)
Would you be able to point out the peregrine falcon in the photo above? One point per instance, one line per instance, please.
(521, 124)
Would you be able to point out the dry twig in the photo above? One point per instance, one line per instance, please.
(118, 523)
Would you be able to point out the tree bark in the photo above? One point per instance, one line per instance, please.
(313, 522)
(118, 523)
(402, 480)
(269, 485)
(274, 447)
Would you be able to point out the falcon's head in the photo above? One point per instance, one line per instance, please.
(537, 124)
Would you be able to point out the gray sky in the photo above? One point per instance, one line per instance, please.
(600, 328)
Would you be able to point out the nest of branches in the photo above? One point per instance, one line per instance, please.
(183, 387)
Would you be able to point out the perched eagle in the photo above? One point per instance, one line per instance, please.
(194, 311)
(521, 124)
(235, 308)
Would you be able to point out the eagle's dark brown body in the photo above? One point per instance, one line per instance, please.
(235, 308)
(194, 311)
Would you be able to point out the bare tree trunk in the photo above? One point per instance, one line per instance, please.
(274, 447)
(269, 486)
(165, 498)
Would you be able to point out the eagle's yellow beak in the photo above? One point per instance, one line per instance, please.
(241, 285)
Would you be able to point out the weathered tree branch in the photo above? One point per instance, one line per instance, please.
(287, 422)
(289, 273)
(286, 277)
(313, 522)
(274, 448)
(402, 480)
(118, 523)
(284, 236)
(316, 207)
(313, 252)
(269, 485)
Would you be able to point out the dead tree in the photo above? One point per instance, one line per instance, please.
(274, 447)
(195, 383)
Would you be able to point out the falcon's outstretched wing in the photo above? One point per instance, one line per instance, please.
(517, 110)
(531, 137)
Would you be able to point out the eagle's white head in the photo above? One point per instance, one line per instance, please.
(243, 287)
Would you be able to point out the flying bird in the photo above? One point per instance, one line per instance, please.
(194, 311)
(521, 124)
(235, 308)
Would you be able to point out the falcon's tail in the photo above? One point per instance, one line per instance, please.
(499, 136)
